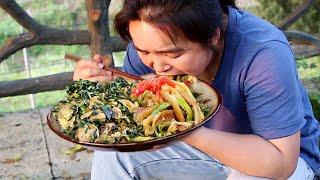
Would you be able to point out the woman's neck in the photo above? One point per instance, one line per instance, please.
(213, 67)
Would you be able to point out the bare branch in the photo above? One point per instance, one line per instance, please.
(296, 14)
(55, 37)
(304, 45)
(38, 34)
(47, 36)
(14, 44)
(63, 37)
(101, 42)
(18, 14)
(59, 82)
(302, 38)
(35, 85)
(117, 44)
(312, 84)
(302, 52)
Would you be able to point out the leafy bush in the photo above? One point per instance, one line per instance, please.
(315, 101)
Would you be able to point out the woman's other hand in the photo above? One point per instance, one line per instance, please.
(92, 70)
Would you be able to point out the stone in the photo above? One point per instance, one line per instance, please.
(23, 152)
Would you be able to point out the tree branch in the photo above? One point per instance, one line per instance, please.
(38, 34)
(42, 35)
(302, 52)
(302, 38)
(35, 85)
(117, 44)
(304, 45)
(54, 37)
(98, 24)
(47, 36)
(59, 82)
(296, 14)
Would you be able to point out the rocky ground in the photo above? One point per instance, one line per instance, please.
(30, 150)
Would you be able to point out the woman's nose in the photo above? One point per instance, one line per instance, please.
(160, 67)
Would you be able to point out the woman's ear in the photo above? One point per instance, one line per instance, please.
(215, 39)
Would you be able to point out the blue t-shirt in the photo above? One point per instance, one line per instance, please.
(261, 91)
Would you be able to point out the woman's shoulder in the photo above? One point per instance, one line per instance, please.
(251, 36)
(253, 30)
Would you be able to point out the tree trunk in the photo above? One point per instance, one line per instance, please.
(98, 26)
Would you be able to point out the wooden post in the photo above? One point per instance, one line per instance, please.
(98, 24)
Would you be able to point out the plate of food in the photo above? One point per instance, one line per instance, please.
(130, 115)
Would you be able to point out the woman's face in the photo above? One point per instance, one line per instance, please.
(159, 52)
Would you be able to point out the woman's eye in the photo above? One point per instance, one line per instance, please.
(144, 52)
(173, 55)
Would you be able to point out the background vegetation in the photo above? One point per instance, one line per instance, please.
(276, 10)
(70, 14)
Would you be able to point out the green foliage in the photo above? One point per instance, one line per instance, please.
(309, 68)
(275, 11)
(56, 14)
(315, 101)
(8, 28)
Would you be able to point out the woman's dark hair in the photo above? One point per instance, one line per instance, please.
(225, 3)
(197, 20)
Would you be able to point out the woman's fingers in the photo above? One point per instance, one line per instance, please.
(92, 70)
(86, 69)
(101, 79)
(86, 63)
(89, 72)
(97, 58)
(105, 59)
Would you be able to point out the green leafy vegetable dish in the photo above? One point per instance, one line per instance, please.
(121, 111)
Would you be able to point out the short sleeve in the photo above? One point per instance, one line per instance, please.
(271, 90)
(133, 64)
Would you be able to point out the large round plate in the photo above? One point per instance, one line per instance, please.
(207, 92)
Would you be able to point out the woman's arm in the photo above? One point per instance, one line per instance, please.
(250, 154)
(270, 91)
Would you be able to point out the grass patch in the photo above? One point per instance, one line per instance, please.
(46, 99)
(20, 103)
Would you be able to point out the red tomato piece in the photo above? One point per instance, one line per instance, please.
(152, 85)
